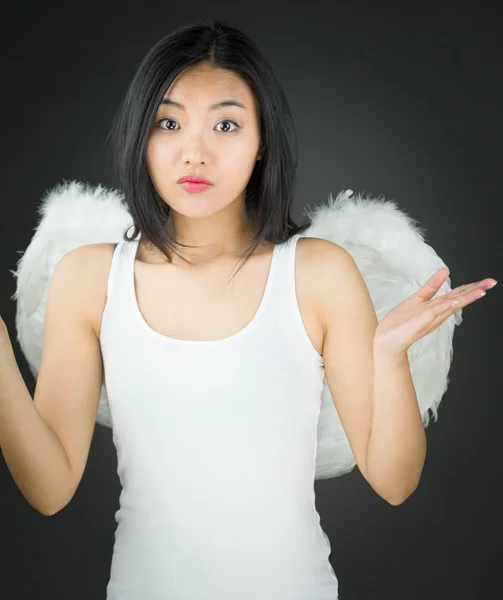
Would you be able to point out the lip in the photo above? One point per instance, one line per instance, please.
(194, 187)
(191, 179)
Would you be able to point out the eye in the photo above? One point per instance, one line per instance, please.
(158, 124)
(230, 121)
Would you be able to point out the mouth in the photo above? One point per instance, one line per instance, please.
(195, 186)
(194, 179)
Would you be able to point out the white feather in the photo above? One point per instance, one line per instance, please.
(388, 247)
(386, 244)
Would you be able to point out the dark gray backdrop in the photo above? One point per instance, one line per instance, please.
(403, 105)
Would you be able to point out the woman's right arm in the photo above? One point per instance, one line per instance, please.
(46, 441)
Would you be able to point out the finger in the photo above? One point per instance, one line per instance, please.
(460, 291)
(472, 290)
(438, 311)
(439, 317)
(467, 288)
(446, 306)
(432, 285)
(442, 307)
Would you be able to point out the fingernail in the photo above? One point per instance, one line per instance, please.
(492, 285)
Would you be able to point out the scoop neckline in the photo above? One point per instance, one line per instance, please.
(171, 340)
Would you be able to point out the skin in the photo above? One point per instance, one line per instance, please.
(420, 313)
(203, 142)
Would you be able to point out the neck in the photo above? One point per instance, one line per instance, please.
(213, 240)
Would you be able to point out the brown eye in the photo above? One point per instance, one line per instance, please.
(229, 121)
(158, 124)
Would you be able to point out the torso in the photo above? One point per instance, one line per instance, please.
(204, 307)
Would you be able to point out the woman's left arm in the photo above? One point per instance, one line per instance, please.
(396, 449)
(367, 368)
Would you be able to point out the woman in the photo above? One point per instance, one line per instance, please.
(213, 375)
(217, 360)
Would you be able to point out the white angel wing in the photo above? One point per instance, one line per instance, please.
(73, 214)
(387, 247)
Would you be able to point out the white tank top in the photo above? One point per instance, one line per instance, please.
(216, 448)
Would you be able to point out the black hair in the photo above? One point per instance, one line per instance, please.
(269, 192)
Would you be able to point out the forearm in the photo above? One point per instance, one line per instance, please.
(396, 448)
(34, 455)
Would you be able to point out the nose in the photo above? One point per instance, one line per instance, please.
(194, 149)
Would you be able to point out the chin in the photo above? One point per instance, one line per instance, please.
(197, 208)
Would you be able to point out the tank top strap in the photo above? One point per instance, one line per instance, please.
(282, 284)
(283, 311)
(121, 269)
(284, 268)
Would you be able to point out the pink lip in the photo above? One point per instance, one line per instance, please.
(193, 179)
(194, 187)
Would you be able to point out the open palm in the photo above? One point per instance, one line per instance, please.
(419, 314)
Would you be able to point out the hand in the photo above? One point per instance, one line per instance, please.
(418, 314)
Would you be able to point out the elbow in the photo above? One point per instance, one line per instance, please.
(45, 512)
(41, 509)
(50, 512)
(396, 500)
(55, 511)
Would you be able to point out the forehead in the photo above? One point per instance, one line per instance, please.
(202, 83)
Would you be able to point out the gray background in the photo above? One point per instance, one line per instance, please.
(386, 102)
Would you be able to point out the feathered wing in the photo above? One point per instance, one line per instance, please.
(72, 214)
(388, 247)
(385, 243)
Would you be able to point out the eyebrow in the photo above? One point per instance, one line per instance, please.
(218, 105)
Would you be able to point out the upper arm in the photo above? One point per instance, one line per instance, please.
(350, 322)
(70, 376)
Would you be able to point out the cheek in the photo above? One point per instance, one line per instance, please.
(156, 149)
(157, 156)
(241, 160)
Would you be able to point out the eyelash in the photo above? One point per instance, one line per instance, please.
(224, 121)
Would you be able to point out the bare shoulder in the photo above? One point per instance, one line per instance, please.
(319, 250)
(316, 258)
(328, 269)
(322, 260)
(92, 262)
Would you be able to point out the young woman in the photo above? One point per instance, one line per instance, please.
(206, 347)
(212, 326)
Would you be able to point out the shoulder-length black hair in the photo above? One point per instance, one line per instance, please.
(269, 193)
